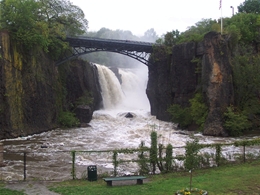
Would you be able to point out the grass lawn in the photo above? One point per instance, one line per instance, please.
(231, 179)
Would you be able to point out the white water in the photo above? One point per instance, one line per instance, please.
(109, 129)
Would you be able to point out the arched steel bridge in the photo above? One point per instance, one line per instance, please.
(83, 45)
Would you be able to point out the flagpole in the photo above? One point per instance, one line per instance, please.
(221, 19)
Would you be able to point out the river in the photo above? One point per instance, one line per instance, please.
(48, 154)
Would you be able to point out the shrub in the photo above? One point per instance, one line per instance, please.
(199, 110)
(192, 159)
(235, 123)
(180, 115)
(68, 119)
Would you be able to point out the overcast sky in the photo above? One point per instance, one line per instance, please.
(162, 15)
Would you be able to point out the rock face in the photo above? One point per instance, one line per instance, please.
(174, 79)
(32, 89)
(217, 82)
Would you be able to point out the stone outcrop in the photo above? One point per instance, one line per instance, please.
(32, 89)
(174, 79)
(217, 82)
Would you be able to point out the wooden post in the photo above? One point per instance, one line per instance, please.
(24, 166)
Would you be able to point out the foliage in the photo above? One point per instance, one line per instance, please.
(244, 26)
(41, 24)
(86, 99)
(235, 123)
(181, 116)
(246, 78)
(168, 158)
(68, 119)
(191, 154)
(171, 38)
(153, 151)
(199, 110)
(249, 6)
(142, 161)
(218, 154)
(196, 33)
(115, 162)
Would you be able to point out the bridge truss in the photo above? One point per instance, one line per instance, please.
(85, 45)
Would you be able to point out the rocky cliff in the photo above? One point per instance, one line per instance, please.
(33, 90)
(176, 75)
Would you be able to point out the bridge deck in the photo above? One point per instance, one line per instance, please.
(110, 44)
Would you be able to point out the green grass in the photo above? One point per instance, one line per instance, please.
(4, 191)
(231, 179)
(243, 179)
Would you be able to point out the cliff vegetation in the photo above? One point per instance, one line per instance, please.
(34, 93)
(225, 70)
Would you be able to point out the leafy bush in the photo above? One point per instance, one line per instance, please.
(86, 99)
(199, 110)
(235, 123)
(68, 119)
(153, 151)
(180, 115)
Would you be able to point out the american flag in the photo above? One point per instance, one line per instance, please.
(220, 2)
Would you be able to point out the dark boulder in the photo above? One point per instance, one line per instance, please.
(129, 115)
(84, 113)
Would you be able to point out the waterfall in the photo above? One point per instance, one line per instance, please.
(129, 95)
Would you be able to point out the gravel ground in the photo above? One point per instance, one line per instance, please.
(31, 187)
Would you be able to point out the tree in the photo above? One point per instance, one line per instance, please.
(150, 35)
(38, 23)
(171, 38)
(249, 6)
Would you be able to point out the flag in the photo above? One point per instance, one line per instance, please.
(220, 2)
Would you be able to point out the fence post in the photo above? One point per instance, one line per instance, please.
(1, 154)
(115, 162)
(24, 166)
(244, 150)
(73, 171)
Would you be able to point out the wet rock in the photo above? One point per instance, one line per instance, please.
(84, 113)
(129, 115)
(44, 146)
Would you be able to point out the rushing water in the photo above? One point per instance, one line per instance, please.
(109, 129)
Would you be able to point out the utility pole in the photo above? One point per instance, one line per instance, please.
(232, 10)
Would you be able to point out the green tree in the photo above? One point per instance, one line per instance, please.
(249, 6)
(39, 23)
(171, 38)
(197, 32)
(191, 154)
(245, 26)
